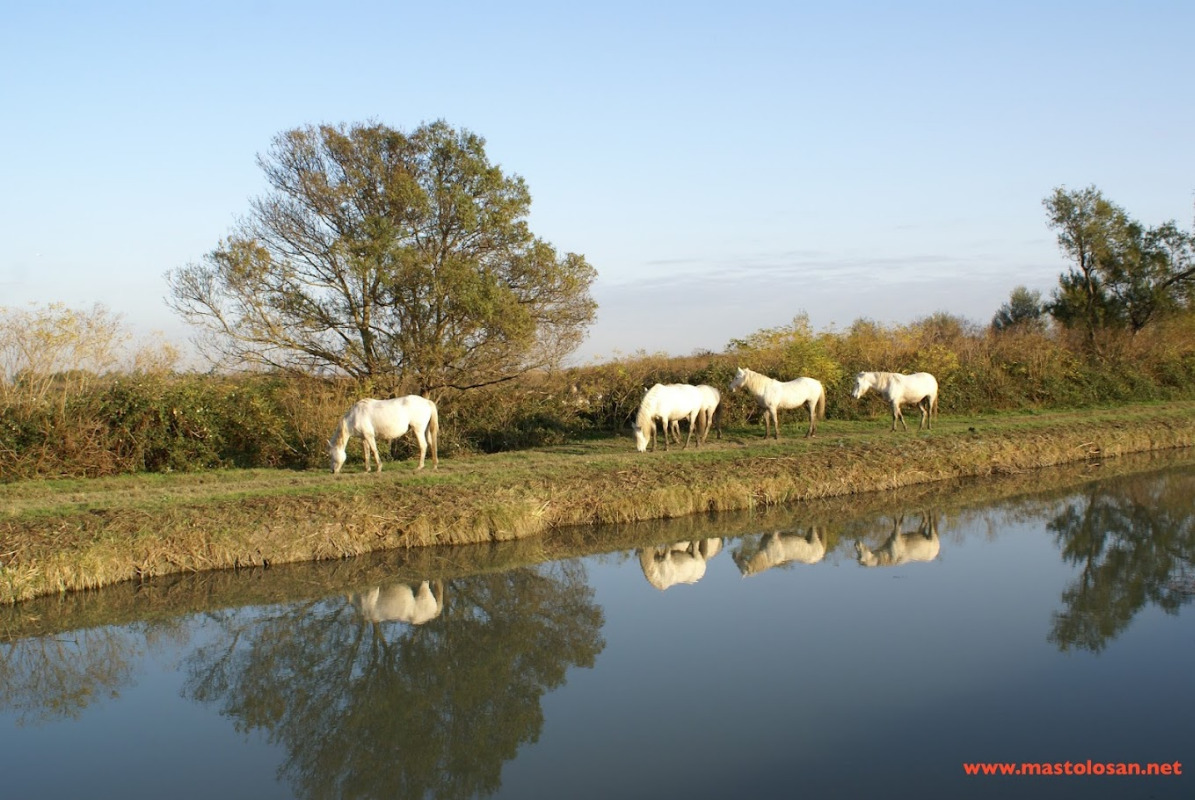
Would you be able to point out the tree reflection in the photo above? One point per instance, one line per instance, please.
(1134, 540)
(44, 678)
(392, 710)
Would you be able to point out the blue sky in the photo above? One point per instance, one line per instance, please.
(724, 167)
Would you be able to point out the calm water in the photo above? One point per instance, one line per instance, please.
(750, 656)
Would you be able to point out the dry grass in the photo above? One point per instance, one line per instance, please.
(60, 536)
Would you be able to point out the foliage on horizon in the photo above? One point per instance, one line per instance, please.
(1125, 331)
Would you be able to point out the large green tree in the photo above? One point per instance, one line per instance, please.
(1123, 274)
(404, 258)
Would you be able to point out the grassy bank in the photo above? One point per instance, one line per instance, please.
(58, 536)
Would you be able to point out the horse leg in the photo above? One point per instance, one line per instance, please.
(923, 407)
(812, 419)
(419, 437)
(896, 415)
(689, 435)
(366, 444)
(377, 456)
(775, 412)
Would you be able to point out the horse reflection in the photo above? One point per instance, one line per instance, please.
(401, 602)
(902, 548)
(683, 562)
(783, 548)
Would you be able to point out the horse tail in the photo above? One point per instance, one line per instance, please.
(821, 401)
(433, 434)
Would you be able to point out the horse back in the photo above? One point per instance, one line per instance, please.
(674, 399)
(358, 420)
(921, 384)
(796, 392)
(392, 418)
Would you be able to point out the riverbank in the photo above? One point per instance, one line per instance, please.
(60, 536)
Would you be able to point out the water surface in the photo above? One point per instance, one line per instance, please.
(751, 655)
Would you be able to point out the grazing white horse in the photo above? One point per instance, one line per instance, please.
(674, 401)
(708, 417)
(901, 548)
(897, 388)
(773, 395)
(683, 562)
(783, 548)
(400, 602)
(387, 419)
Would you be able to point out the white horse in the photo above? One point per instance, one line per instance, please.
(920, 388)
(387, 419)
(400, 602)
(901, 548)
(708, 417)
(683, 562)
(783, 548)
(772, 395)
(674, 401)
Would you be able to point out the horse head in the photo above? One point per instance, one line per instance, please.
(336, 456)
(641, 436)
(864, 555)
(862, 384)
(740, 375)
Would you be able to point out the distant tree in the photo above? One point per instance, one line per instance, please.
(53, 352)
(1154, 274)
(1124, 275)
(401, 258)
(1023, 311)
(1088, 226)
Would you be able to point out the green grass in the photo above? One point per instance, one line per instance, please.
(67, 534)
(148, 491)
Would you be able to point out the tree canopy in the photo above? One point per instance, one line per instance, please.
(1123, 275)
(401, 258)
(1023, 311)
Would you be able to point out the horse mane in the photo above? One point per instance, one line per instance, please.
(647, 407)
(755, 381)
(340, 436)
(883, 380)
